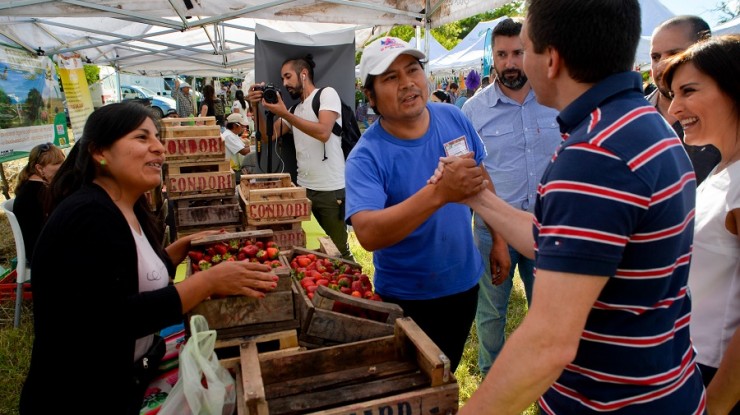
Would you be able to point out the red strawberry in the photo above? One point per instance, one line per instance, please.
(221, 248)
(260, 244)
(272, 253)
(204, 265)
(272, 244)
(302, 261)
(261, 255)
(250, 251)
(195, 256)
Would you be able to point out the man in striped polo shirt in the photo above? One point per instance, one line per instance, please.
(611, 234)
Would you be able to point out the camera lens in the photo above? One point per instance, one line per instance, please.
(270, 95)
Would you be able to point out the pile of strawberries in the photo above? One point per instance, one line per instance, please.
(312, 271)
(206, 256)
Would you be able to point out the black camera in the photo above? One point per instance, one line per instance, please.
(269, 93)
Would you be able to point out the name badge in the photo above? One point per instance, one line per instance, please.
(457, 147)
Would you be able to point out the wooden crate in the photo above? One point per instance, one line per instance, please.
(207, 211)
(180, 232)
(205, 179)
(275, 206)
(404, 373)
(264, 181)
(236, 316)
(195, 149)
(322, 325)
(170, 122)
(286, 235)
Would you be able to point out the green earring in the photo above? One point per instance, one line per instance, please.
(103, 162)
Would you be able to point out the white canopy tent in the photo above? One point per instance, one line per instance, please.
(209, 38)
(468, 54)
(727, 28)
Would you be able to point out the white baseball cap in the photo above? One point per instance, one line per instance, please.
(184, 85)
(234, 118)
(379, 55)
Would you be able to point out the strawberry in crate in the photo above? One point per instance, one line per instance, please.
(206, 256)
(311, 271)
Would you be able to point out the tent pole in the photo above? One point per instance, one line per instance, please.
(427, 33)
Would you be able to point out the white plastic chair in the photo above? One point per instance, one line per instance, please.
(23, 271)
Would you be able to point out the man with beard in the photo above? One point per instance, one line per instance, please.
(670, 38)
(521, 136)
(318, 151)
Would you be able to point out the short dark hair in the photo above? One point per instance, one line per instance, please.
(718, 58)
(698, 28)
(595, 38)
(507, 27)
(442, 95)
(454, 86)
(299, 64)
(369, 87)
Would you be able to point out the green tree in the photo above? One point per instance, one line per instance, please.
(34, 102)
(450, 34)
(92, 73)
(725, 7)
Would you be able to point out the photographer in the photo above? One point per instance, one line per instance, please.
(318, 152)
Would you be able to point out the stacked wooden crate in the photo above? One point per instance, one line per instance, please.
(198, 177)
(272, 201)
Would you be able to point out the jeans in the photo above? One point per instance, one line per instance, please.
(328, 209)
(493, 300)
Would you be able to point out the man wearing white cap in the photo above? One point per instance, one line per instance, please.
(234, 145)
(181, 94)
(424, 256)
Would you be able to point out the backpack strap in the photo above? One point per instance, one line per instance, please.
(316, 103)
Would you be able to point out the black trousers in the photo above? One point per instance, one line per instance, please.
(446, 320)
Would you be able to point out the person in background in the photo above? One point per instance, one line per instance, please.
(608, 330)
(361, 114)
(484, 82)
(453, 91)
(705, 89)
(235, 146)
(118, 271)
(240, 105)
(181, 94)
(468, 93)
(520, 135)
(318, 150)
(31, 205)
(208, 105)
(440, 96)
(421, 237)
(233, 88)
(669, 38)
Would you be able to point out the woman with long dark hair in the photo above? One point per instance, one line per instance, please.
(102, 283)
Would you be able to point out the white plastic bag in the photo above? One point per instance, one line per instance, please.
(198, 361)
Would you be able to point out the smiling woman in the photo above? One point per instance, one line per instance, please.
(120, 272)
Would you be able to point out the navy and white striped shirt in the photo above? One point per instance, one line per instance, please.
(618, 201)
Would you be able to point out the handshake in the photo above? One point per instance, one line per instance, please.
(459, 178)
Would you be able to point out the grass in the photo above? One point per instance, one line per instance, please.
(15, 344)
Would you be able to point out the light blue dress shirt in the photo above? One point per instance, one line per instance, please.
(520, 140)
